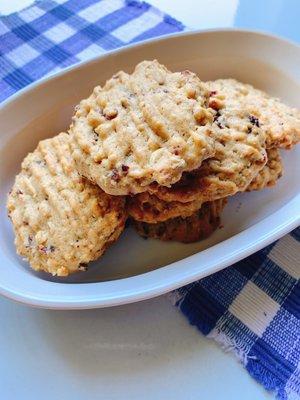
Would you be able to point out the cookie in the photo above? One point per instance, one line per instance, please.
(146, 127)
(239, 156)
(198, 226)
(148, 208)
(61, 221)
(280, 122)
(231, 99)
(151, 209)
(270, 174)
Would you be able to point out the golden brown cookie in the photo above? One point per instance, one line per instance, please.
(146, 127)
(239, 155)
(198, 226)
(280, 122)
(270, 174)
(148, 208)
(217, 177)
(151, 209)
(61, 221)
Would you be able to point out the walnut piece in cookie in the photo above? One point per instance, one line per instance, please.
(61, 221)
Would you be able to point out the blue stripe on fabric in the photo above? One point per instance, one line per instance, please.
(268, 367)
(13, 20)
(76, 43)
(6, 66)
(237, 331)
(41, 44)
(73, 20)
(282, 334)
(61, 12)
(46, 5)
(292, 302)
(57, 55)
(137, 4)
(41, 22)
(44, 23)
(99, 36)
(293, 384)
(274, 281)
(25, 32)
(251, 265)
(201, 309)
(296, 234)
(185, 289)
(247, 268)
(6, 90)
(39, 67)
(225, 285)
(18, 79)
(76, 6)
(9, 41)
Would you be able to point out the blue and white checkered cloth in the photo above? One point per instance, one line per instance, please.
(252, 307)
(51, 35)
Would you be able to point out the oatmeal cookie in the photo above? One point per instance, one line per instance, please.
(149, 208)
(280, 122)
(61, 221)
(198, 226)
(239, 156)
(270, 174)
(146, 127)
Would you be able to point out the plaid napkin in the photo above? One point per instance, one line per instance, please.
(252, 307)
(51, 35)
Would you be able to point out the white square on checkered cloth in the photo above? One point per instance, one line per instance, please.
(254, 308)
(3, 29)
(91, 51)
(22, 55)
(286, 255)
(133, 28)
(59, 33)
(100, 9)
(30, 14)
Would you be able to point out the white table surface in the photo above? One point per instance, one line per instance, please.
(140, 351)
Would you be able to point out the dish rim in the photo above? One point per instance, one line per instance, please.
(141, 43)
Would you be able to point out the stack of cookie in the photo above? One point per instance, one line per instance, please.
(164, 148)
(249, 128)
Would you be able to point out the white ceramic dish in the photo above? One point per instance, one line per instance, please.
(135, 269)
